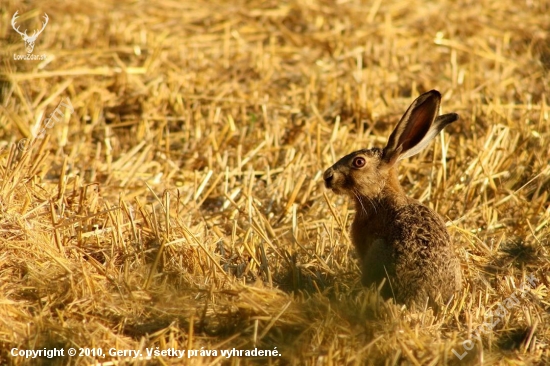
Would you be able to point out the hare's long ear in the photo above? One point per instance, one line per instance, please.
(417, 127)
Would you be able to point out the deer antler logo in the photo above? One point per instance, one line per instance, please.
(29, 40)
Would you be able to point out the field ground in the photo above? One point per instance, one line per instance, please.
(177, 201)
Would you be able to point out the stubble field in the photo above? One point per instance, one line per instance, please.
(175, 202)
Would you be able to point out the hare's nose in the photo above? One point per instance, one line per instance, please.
(328, 175)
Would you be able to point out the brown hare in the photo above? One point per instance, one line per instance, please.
(396, 237)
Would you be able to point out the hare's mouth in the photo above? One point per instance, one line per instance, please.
(336, 190)
(329, 184)
(333, 186)
(333, 181)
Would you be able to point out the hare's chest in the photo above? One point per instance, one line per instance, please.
(368, 237)
(375, 254)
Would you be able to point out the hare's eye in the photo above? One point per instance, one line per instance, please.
(359, 162)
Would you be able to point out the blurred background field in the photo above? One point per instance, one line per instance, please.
(179, 202)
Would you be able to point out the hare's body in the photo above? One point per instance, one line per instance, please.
(414, 256)
(396, 237)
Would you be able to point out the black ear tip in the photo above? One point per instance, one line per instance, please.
(434, 93)
(446, 119)
(452, 117)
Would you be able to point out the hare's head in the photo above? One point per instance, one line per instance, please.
(366, 172)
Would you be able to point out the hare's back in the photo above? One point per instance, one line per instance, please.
(425, 262)
(418, 229)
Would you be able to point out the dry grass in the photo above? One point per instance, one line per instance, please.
(180, 204)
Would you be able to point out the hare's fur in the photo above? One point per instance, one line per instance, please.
(396, 237)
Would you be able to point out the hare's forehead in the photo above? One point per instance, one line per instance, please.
(375, 153)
